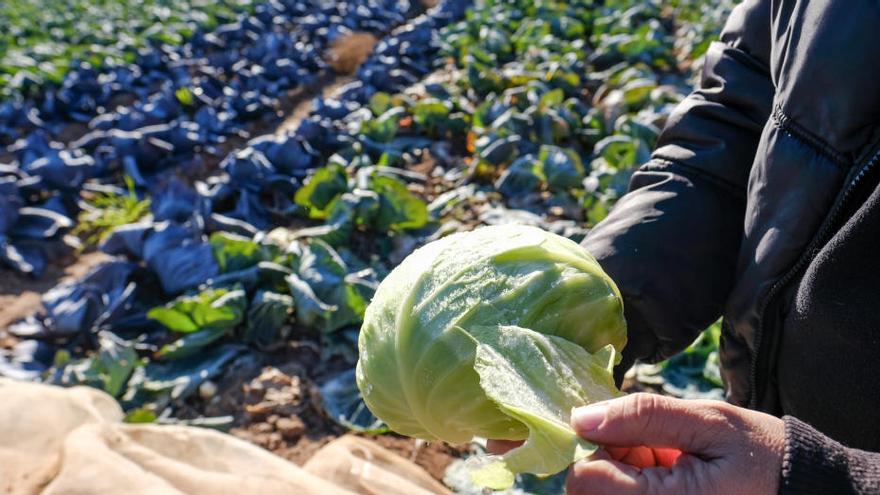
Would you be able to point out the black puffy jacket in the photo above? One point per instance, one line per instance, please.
(760, 204)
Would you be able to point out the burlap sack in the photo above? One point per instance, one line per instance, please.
(361, 466)
(72, 442)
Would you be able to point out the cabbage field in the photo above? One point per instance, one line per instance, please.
(199, 198)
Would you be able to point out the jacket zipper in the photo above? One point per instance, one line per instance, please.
(812, 250)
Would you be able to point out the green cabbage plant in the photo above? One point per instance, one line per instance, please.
(496, 333)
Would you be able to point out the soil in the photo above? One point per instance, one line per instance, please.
(349, 52)
(275, 404)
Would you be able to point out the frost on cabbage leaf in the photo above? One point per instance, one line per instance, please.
(497, 333)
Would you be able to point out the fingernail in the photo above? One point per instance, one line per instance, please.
(588, 418)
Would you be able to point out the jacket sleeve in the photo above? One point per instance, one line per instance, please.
(671, 242)
(815, 464)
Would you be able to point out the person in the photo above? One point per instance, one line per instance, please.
(760, 204)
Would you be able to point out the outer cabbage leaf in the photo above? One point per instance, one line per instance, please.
(158, 383)
(109, 369)
(343, 403)
(562, 167)
(318, 193)
(431, 113)
(557, 376)
(384, 127)
(235, 252)
(179, 257)
(523, 176)
(399, 209)
(10, 202)
(203, 319)
(211, 309)
(267, 317)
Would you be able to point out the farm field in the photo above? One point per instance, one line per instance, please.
(199, 199)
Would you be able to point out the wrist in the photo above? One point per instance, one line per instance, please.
(769, 433)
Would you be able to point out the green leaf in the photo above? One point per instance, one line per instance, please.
(619, 152)
(318, 193)
(268, 314)
(322, 267)
(384, 127)
(387, 160)
(380, 103)
(159, 382)
(173, 319)
(191, 343)
(344, 404)
(310, 310)
(106, 211)
(140, 415)
(695, 372)
(431, 113)
(212, 309)
(552, 98)
(497, 151)
(569, 28)
(523, 176)
(560, 376)
(185, 96)
(327, 296)
(562, 167)
(234, 252)
(637, 92)
(116, 361)
(399, 209)
(109, 369)
(351, 300)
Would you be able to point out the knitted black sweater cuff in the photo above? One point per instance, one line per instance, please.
(814, 463)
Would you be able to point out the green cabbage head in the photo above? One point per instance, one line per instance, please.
(496, 333)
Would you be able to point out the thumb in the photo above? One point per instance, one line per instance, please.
(695, 427)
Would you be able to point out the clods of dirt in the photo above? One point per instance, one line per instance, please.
(279, 410)
(275, 404)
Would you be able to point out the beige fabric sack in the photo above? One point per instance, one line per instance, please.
(56, 441)
(361, 466)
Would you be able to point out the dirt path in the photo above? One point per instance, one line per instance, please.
(302, 109)
(345, 56)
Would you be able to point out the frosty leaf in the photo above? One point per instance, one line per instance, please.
(559, 377)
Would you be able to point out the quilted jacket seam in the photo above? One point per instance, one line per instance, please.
(661, 163)
(798, 132)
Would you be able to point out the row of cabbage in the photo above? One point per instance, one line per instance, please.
(175, 108)
(191, 244)
(40, 41)
(532, 112)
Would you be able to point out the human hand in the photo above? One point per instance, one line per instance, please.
(696, 447)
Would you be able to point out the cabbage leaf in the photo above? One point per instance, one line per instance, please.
(560, 376)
